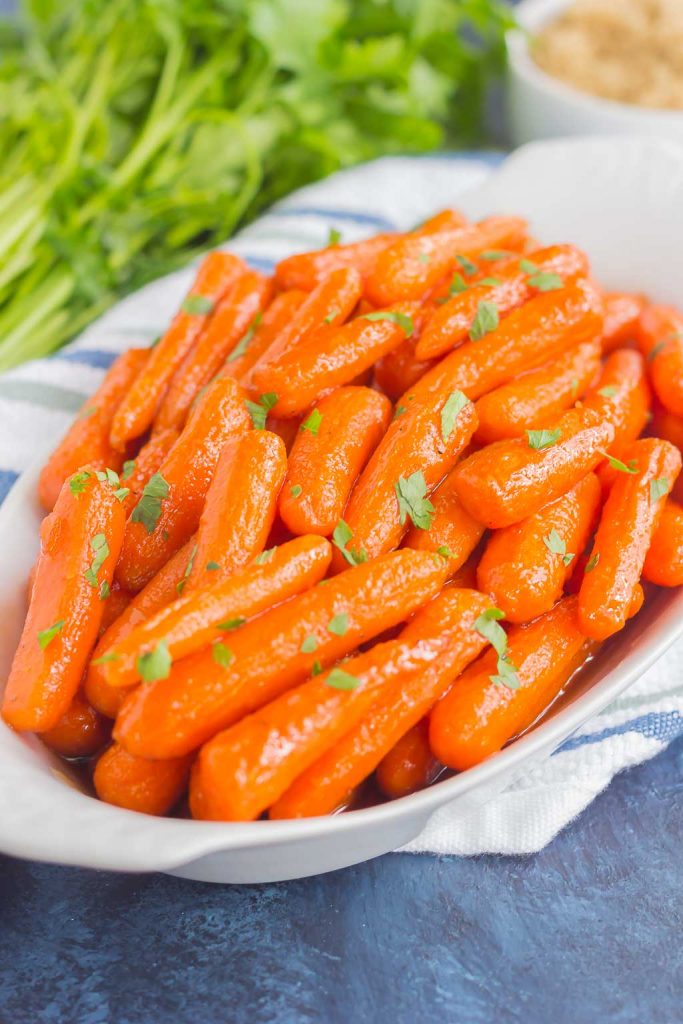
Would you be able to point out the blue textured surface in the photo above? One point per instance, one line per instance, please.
(585, 932)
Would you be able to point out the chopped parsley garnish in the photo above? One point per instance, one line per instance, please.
(338, 624)
(609, 391)
(89, 411)
(333, 236)
(658, 488)
(231, 624)
(487, 625)
(453, 405)
(424, 257)
(104, 659)
(259, 410)
(46, 636)
(180, 585)
(148, 509)
(222, 655)
(265, 556)
(197, 305)
(654, 352)
(155, 664)
(485, 320)
(312, 422)
(541, 439)
(105, 590)
(558, 546)
(108, 476)
(545, 281)
(594, 559)
(404, 321)
(332, 315)
(457, 285)
(495, 254)
(78, 482)
(212, 566)
(413, 500)
(341, 536)
(490, 282)
(316, 668)
(445, 551)
(244, 342)
(128, 469)
(398, 411)
(468, 267)
(100, 550)
(309, 645)
(575, 387)
(528, 266)
(296, 490)
(340, 680)
(619, 465)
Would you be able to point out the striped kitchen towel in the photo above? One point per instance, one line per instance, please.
(38, 399)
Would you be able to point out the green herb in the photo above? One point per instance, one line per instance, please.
(309, 645)
(46, 636)
(488, 626)
(528, 266)
(316, 668)
(609, 392)
(413, 501)
(338, 624)
(658, 488)
(495, 254)
(541, 439)
(458, 285)
(333, 236)
(128, 469)
(453, 405)
(398, 411)
(104, 659)
(655, 350)
(545, 282)
(244, 342)
(341, 536)
(445, 551)
(231, 624)
(506, 675)
(468, 267)
(212, 566)
(490, 282)
(108, 476)
(395, 317)
(296, 490)
(619, 465)
(575, 387)
(222, 655)
(86, 413)
(148, 509)
(155, 664)
(100, 549)
(265, 556)
(198, 305)
(340, 680)
(78, 482)
(595, 558)
(424, 257)
(180, 585)
(485, 321)
(259, 410)
(105, 590)
(312, 422)
(332, 315)
(558, 546)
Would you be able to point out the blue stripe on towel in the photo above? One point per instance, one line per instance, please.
(7, 478)
(656, 725)
(96, 357)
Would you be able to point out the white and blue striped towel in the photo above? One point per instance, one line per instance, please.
(38, 399)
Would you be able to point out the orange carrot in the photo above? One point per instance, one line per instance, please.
(661, 342)
(240, 506)
(511, 480)
(413, 264)
(622, 394)
(171, 504)
(233, 317)
(513, 285)
(664, 559)
(306, 270)
(480, 714)
(80, 732)
(137, 471)
(262, 333)
(115, 605)
(666, 425)
(537, 397)
(396, 372)
(79, 545)
(218, 271)
(445, 220)
(453, 532)
(629, 519)
(445, 628)
(622, 320)
(410, 765)
(329, 452)
(525, 566)
(211, 690)
(150, 787)
(200, 617)
(87, 439)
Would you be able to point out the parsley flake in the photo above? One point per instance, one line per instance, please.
(78, 482)
(312, 422)
(309, 645)
(609, 392)
(222, 655)
(404, 321)
(341, 536)
(488, 626)
(333, 236)
(658, 488)
(490, 282)
(89, 411)
(558, 546)
(244, 342)
(618, 464)
(398, 411)
(485, 320)
(340, 680)
(155, 664)
(128, 469)
(197, 305)
(148, 509)
(594, 559)
(316, 668)
(457, 285)
(231, 624)
(332, 315)
(100, 550)
(445, 551)
(338, 624)
(265, 556)
(180, 585)
(468, 267)
(453, 405)
(413, 501)
(105, 590)
(528, 266)
(212, 566)
(104, 659)
(541, 439)
(545, 281)
(259, 410)
(296, 490)
(655, 350)
(495, 254)
(46, 636)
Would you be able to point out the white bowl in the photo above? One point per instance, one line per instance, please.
(541, 107)
(622, 200)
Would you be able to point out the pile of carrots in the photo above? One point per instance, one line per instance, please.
(360, 520)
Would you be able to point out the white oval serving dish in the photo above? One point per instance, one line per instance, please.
(622, 200)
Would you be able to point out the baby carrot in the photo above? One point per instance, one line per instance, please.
(80, 732)
(664, 559)
(410, 765)
(541, 329)
(622, 320)
(306, 270)
(512, 286)
(171, 504)
(525, 566)
(453, 532)
(629, 519)
(666, 425)
(330, 358)
(195, 620)
(115, 605)
(218, 271)
(87, 439)
(137, 471)
(419, 448)
(232, 318)
(211, 690)
(448, 625)
(445, 220)
(240, 506)
(480, 714)
(328, 454)
(396, 372)
(537, 397)
(413, 264)
(661, 342)
(262, 333)
(150, 787)
(510, 480)
(622, 394)
(79, 544)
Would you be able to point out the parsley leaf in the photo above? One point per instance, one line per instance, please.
(528, 266)
(445, 551)
(658, 488)
(341, 536)
(485, 321)
(453, 405)
(468, 267)
(316, 668)
(507, 675)
(413, 501)
(212, 566)
(488, 626)
(333, 236)
(198, 305)
(244, 342)
(231, 624)
(655, 350)
(265, 556)
(594, 559)
(545, 281)
(105, 590)
(128, 469)
(222, 655)
(332, 315)
(489, 282)
(259, 410)
(78, 481)
(457, 285)
(180, 585)
(398, 411)
(402, 319)
(495, 254)
(541, 439)
(619, 465)
(309, 645)
(105, 658)
(312, 422)
(338, 624)
(558, 546)
(296, 490)
(609, 391)
(148, 509)
(155, 664)
(340, 680)
(46, 636)
(100, 550)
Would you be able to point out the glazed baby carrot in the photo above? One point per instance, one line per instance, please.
(137, 471)
(664, 559)
(240, 506)
(160, 591)
(330, 450)
(510, 480)
(150, 787)
(453, 532)
(80, 732)
(79, 544)
(421, 445)
(629, 519)
(87, 439)
(232, 318)
(396, 372)
(413, 264)
(513, 285)
(262, 333)
(195, 620)
(218, 271)
(211, 690)
(661, 342)
(330, 358)
(171, 503)
(410, 765)
(480, 713)
(306, 270)
(622, 394)
(622, 319)
(525, 566)
(537, 397)
(541, 329)
(445, 220)
(329, 781)
(114, 606)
